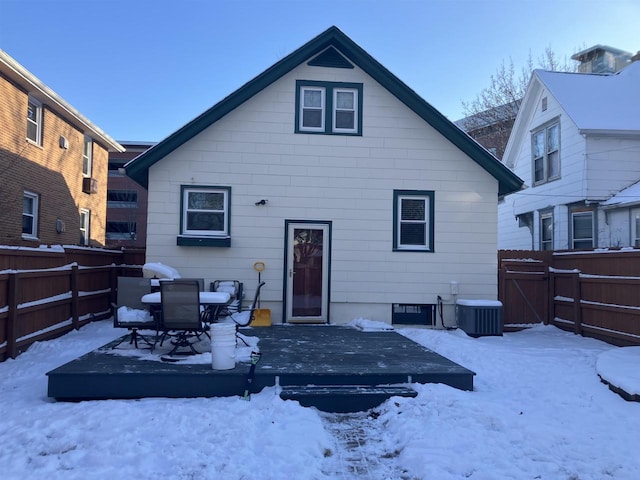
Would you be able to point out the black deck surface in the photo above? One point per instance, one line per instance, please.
(292, 356)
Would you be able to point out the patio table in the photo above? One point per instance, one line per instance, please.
(212, 302)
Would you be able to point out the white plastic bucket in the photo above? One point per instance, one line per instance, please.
(223, 346)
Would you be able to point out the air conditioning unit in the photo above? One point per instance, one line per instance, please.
(89, 185)
(478, 318)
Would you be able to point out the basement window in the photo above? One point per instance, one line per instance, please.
(413, 314)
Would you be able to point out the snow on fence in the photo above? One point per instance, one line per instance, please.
(591, 293)
(43, 303)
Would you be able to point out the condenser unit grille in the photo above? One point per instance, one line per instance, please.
(479, 317)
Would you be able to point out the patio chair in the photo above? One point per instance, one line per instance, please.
(129, 312)
(181, 314)
(199, 280)
(233, 288)
(244, 317)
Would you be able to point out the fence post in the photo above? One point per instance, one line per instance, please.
(113, 282)
(12, 303)
(577, 304)
(75, 321)
(551, 295)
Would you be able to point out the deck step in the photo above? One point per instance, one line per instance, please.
(344, 398)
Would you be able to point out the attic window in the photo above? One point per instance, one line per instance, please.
(329, 108)
(544, 104)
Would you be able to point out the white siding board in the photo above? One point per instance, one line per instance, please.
(348, 180)
(603, 153)
(569, 188)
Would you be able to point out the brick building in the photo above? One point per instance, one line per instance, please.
(53, 165)
(126, 201)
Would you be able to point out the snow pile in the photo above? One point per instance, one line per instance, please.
(133, 315)
(369, 325)
(621, 368)
(159, 270)
(539, 410)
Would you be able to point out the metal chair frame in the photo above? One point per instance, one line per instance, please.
(129, 294)
(181, 317)
(245, 320)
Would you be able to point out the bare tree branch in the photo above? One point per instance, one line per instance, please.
(490, 115)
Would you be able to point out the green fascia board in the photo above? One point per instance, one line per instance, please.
(138, 168)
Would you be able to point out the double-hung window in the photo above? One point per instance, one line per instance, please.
(635, 227)
(312, 109)
(87, 156)
(30, 202)
(546, 231)
(329, 108)
(545, 150)
(34, 121)
(582, 229)
(205, 216)
(85, 226)
(345, 110)
(413, 220)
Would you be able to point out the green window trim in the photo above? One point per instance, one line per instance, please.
(328, 108)
(205, 216)
(189, 241)
(417, 223)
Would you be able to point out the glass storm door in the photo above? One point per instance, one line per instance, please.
(306, 272)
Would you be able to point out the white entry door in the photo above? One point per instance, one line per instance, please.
(307, 272)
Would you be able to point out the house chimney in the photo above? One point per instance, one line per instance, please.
(601, 59)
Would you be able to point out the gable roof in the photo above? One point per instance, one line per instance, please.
(138, 168)
(598, 102)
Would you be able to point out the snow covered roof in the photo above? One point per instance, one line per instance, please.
(628, 196)
(598, 102)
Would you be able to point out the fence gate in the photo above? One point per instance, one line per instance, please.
(523, 290)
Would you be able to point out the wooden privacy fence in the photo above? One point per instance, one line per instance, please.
(43, 303)
(595, 294)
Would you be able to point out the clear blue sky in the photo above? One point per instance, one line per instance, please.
(140, 69)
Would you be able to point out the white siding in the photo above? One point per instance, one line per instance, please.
(569, 188)
(347, 180)
(613, 163)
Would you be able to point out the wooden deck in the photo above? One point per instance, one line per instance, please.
(334, 368)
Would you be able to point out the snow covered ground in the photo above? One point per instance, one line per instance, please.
(538, 411)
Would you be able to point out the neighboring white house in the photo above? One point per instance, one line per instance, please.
(354, 192)
(576, 144)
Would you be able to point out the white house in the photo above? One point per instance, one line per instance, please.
(359, 198)
(576, 144)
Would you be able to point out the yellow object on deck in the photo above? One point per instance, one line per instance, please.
(261, 317)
